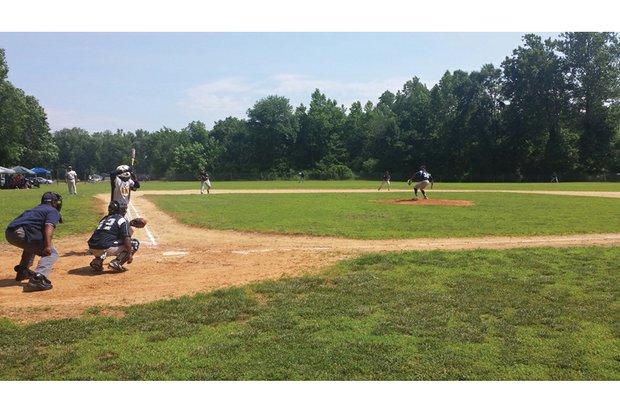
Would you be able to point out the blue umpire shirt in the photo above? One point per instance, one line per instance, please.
(33, 221)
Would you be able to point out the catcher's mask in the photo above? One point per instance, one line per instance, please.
(54, 199)
(124, 169)
(116, 207)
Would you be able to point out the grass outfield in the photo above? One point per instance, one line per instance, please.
(536, 314)
(354, 215)
(372, 184)
(350, 215)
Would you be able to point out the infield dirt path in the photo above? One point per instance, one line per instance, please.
(176, 260)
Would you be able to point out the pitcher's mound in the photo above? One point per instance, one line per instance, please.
(430, 201)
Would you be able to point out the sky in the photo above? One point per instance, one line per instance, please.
(126, 66)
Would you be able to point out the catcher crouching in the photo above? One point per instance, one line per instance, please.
(113, 237)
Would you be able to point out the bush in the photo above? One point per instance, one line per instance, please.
(332, 172)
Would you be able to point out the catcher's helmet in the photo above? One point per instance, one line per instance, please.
(117, 207)
(124, 170)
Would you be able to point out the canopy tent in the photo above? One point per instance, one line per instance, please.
(23, 170)
(40, 171)
(4, 170)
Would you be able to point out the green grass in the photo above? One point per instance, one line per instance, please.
(350, 215)
(80, 212)
(354, 215)
(537, 314)
(372, 184)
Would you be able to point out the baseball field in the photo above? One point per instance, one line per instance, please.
(326, 281)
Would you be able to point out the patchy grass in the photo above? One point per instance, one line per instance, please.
(355, 215)
(536, 314)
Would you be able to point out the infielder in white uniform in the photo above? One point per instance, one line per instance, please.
(204, 182)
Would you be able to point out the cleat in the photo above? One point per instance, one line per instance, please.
(37, 283)
(22, 273)
(415, 198)
(116, 265)
(97, 264)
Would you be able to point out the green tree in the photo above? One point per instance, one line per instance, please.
(410, 142)
(538, 140)
(232, 136)
(79, 150)
(355, 136)
(593, 74)
(24, 130)
(273, 130)
(188, 160)
(323, 130)
(197, 133)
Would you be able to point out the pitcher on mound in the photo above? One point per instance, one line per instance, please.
(423, 179)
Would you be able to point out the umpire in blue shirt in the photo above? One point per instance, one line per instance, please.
(32, 231)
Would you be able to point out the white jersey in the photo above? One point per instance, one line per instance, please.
(122, 190)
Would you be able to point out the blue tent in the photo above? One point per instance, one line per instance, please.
(40, 170)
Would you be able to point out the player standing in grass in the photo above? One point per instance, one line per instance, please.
(204, 182)
(386, 180)
(423, 179)
(71, 179)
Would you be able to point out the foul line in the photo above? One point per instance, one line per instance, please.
(148, 231)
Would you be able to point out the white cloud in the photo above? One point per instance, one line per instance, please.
(234, 96)
(59, 118)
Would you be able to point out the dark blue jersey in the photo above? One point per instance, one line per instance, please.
(33, 221)
(111, 231)
(422, 175)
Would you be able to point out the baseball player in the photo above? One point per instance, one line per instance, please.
(386, 180)
(71, 178)
(123, 181)
(204, 182)
(113, 237)
(33, 231)
(423, 179)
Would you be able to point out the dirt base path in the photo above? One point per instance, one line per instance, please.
(176, 260)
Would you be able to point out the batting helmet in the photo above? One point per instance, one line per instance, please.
(117, 207)
(124, 170)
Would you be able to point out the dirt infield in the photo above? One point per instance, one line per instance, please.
(176, 260)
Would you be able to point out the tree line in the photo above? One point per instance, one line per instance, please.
(553, 106)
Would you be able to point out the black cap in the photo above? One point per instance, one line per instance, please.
(49, 197)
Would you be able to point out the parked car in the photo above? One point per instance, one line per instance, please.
(95, 178)
(43, 180)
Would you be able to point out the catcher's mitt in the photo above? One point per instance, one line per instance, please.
(138, 222)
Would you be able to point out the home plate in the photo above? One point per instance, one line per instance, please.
(174, 253)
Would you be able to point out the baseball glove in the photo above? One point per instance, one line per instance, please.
(138, 222)
(409, 182)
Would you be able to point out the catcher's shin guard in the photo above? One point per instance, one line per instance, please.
(135, 245)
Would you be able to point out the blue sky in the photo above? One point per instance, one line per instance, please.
(148, 64)
(138, 80)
